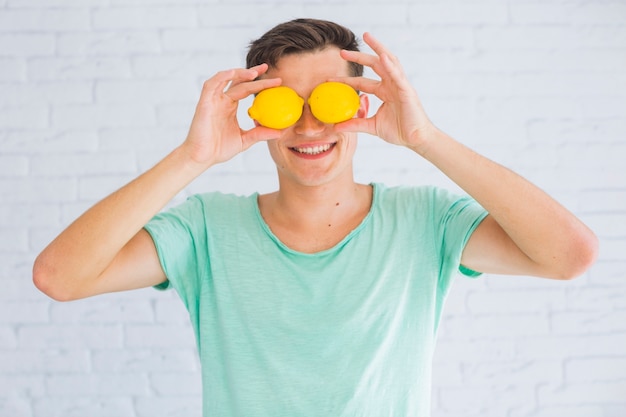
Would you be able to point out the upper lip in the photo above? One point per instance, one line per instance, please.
(311, 144)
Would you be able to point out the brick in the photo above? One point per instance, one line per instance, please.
(610, 273)
(55, 3)
(92, 406)
(13, 240)
(607, 225)
(28, 215)
(102, 310)
(597, 299)
(50, 141)
(183, 65)
(15, 405)
(24, 385)
(552, 411)
(24, 312)
(24, 116)
(158, 336)
(57, 92)
(171, 311)
(161, 139)
(568, 13)
(585, 370)
(13, 166)
(186, 40)
(583, 394)
(586, 323)
(403, 41)
(12, 69)
(150, 3)
(555, 347)
(575, 131)
(176, 383)
(149, 359)
(44, 20)
(520, 301)
(614, 410)
(567, 85)
(107, 44)
(78, 68)
(26, 44)
(41, 361)
(149, 91)
(459, 14)
(496, 400)
(170, 406)
(176, 115)
(88, 164)
(447, 374)
(512, 109)
(550, 36)
(156, 17)
(474, 350)
(516, 373)
(105, 384)
(613, 200)
(18, 287)
(103, 115)
(70, 336)
(209, 16)
(497, 327)
(8, 337)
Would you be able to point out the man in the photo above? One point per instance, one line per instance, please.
(322, 298)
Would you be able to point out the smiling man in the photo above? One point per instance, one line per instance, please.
(323, 297)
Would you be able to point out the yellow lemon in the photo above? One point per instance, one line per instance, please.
(276, 107)
(334, 102)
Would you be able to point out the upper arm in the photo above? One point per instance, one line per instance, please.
(135, 266)
(490, 250)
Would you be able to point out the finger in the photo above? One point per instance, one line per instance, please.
(249, 74)
(359, 57)
(259, 134)
(363, 125)
(376, 45)
(364, 59)
(240, 91)
(367, 85)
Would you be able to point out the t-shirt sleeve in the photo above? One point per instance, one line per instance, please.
(456, 219)
(180, 238)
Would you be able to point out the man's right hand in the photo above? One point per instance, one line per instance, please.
(215, 135)
(106, 249)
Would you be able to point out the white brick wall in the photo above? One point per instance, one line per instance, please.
(93, 92)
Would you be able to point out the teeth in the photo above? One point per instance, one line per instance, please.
(314, 150)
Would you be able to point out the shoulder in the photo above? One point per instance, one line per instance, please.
(405, 195)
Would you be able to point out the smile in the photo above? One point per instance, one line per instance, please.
(313, 150)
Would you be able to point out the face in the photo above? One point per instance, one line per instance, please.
(310, 152)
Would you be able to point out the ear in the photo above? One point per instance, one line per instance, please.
(364, 106)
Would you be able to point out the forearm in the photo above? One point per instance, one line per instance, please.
(85, 248)
(548, 234)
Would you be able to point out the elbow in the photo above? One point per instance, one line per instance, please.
(45, 281)
(583, 253)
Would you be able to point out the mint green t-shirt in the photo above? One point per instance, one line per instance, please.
(348, 331)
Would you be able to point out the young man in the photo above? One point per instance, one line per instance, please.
(322, 298)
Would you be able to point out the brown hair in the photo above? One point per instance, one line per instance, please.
(302, 35)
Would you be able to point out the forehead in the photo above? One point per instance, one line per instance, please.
(307, 67)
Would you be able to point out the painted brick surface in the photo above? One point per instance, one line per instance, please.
(94, 92)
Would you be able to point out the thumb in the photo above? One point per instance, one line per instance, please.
(258, 134)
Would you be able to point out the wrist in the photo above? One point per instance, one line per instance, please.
(425, 139)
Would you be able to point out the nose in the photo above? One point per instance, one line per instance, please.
(308, 125)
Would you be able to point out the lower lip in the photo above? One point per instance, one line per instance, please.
(313, 156)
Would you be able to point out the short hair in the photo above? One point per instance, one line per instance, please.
(300, 36)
